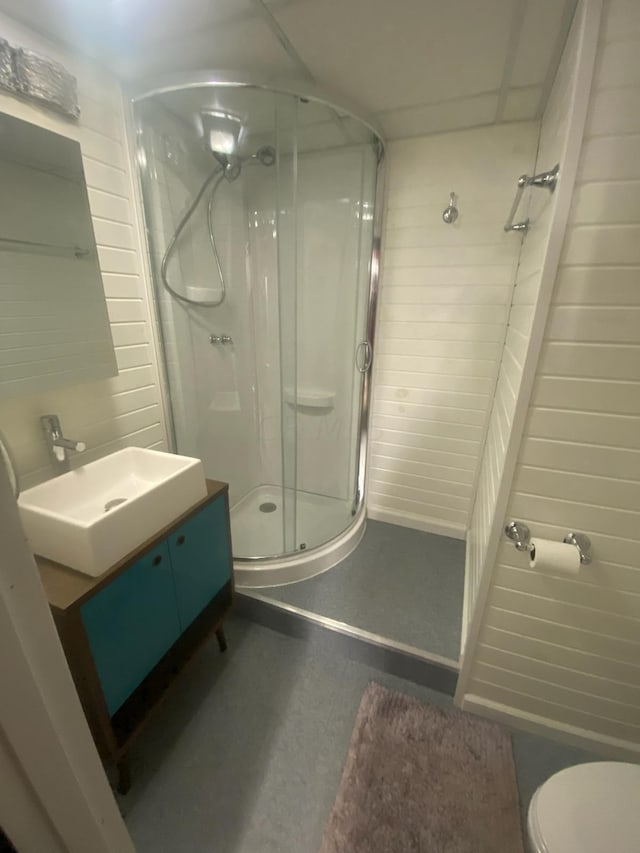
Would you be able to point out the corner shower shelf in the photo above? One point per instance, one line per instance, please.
(203, 294)
(309, 398)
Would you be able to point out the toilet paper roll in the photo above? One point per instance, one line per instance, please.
(550, 556)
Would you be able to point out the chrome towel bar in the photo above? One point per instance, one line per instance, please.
(544, 179)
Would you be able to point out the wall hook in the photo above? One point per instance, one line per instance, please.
(450, 214)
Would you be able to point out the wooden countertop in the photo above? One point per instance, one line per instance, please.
(66, 588)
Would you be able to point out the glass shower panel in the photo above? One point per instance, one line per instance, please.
(286, 230)
(336, 182)
(259, 204)
(209, 352)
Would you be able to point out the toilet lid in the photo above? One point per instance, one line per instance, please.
(589, 808)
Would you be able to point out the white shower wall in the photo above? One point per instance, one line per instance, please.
(333, 245)
(335, 213)
(212, 387)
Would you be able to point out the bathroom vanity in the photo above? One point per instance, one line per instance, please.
(128, 632)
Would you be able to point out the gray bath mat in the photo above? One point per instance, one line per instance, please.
(424, 779)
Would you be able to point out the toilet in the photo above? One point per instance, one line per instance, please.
(589, 808)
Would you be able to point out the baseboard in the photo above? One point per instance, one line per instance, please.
(608, 747)
(418, 522)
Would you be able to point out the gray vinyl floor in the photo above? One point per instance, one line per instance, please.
(246, 753)
(402, 584)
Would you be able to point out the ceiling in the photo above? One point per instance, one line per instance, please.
(420, 66)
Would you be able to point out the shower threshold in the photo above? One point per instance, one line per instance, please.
(405, 661)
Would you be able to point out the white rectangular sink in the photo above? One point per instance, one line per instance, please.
(93, 516)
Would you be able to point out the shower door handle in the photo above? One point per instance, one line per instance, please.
(363, 356)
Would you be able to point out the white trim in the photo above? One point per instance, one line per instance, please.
(466, 615)
(51, 743)
(22, 817)
(418, 522)
(609, 747)
(588, 18)
(516, 26)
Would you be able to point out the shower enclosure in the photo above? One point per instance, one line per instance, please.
(261, 215)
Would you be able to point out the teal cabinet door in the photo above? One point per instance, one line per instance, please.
(131, 623)
(201, 559)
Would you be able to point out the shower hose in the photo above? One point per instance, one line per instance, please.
(216, 177)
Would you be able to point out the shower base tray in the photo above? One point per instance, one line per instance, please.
(256, 530)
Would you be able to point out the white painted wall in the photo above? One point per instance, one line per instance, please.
(562, 654)
(539, 205)
(22, 816)
(446, 291)
(48, 342)
(124, 410)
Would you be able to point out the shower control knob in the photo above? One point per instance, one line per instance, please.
(226, 339)
(220, 339)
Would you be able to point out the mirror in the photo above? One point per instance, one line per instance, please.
(54, 327)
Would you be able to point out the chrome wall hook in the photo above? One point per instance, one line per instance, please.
(450, 214)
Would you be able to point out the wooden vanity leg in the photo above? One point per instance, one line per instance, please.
(124, 775)
(222, 640)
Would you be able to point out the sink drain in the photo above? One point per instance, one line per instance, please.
(114, 503)
(268, 506)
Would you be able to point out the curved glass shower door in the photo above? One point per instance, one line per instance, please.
(259, 212)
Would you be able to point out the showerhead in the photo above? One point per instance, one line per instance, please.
(221, 133)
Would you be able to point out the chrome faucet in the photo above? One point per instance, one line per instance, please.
(59, 445)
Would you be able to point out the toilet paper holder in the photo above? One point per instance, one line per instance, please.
(520, 535)
(582, 543)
